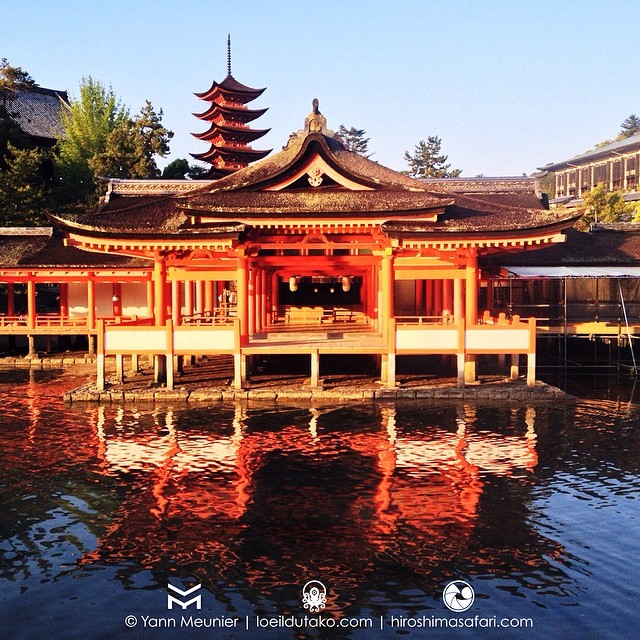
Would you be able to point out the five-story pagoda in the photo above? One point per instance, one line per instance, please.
(229, 133)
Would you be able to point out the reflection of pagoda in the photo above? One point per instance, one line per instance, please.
(229, 133)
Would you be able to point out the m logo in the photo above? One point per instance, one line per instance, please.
(183, 594)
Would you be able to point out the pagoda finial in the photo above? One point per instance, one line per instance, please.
(228, 54)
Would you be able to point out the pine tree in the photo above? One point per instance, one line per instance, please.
(629, 127)
(428, 161)
(353, 140)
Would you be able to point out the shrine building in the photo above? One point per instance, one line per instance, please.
(314, 250)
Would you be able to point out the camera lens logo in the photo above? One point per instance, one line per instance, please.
(458, 596)
(314, 596)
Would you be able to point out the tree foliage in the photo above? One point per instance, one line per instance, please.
(629, 127)
(354, 140)
(13, 77)
(131, 147)
(602, 205)
(428, 161)
(24, 191)
(91, 119)
(102, 140)
(180, 169)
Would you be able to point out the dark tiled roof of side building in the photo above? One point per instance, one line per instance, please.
(607, 245)
(38, 247)
(38, 111)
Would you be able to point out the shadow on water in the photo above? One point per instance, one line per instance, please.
(18, 376)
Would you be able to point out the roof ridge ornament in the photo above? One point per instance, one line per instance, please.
(315, 122)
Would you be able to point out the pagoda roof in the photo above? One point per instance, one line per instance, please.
(241, 114)
(238, 133)
(230, 154)
(230, 87)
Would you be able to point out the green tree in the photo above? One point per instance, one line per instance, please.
(629, 127)
(102, 140)
(354, 140)
(12, 77)
(180, 169)
(606, 206)
(25, 193)
(132, 146)
(427, 161)
(88, 124)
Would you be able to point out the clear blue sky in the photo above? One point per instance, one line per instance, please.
(507, 85)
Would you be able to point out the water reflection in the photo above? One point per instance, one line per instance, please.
(385, 503)
(275, 496)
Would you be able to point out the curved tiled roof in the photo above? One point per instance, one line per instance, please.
(492, 206)
(37, 111)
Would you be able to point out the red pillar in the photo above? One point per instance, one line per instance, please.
(242, 295)
(263, 298)
(437, 297)
(471, 310)
(11, 299)
(447, 298)
(188, 297)
(150, 300)
(387, 290)
(160, 281)
(91, 302)
(63, 293)
(257, 297)
(176, 311)
(116, 299)
(31, 304)
(471, 302)
(429, 298)
(208, 297)
(420, 289)
(275, 297)
(199, 284)
(251, 301)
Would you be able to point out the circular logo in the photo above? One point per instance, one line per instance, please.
(458, 596)
(314, 596)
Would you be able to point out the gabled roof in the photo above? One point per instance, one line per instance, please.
(37, 110)
(315, 177)
(626, 145)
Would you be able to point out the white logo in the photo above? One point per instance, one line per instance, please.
(171, 599)
(458, 595)
(314, 596)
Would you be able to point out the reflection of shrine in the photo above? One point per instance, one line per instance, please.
(270, 497)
